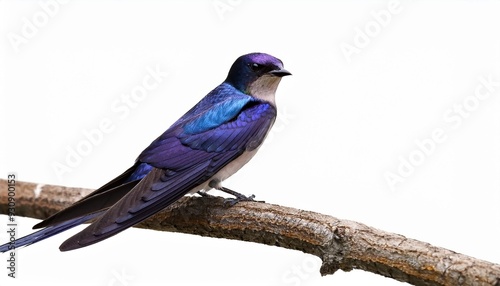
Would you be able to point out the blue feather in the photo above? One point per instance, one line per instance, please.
(140, 172)
(217, 115)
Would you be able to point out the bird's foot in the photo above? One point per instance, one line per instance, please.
(205, 194)
(231, 201)
(238, 197)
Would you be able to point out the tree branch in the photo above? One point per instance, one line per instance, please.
(341, 244)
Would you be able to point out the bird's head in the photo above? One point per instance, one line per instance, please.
(257, 74)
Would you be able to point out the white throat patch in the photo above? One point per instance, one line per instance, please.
(265, 88)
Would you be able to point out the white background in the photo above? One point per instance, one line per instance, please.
(344, 122)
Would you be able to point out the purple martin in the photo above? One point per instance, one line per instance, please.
(208, 144)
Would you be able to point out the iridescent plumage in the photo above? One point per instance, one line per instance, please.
(205, 146)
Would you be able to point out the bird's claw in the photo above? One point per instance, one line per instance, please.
(229, 202)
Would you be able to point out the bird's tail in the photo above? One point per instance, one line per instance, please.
(47, 232)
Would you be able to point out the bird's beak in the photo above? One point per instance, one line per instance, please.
(280, 72)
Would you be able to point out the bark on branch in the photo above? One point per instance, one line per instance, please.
(341, 244)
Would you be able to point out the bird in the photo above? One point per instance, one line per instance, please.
(205, 146)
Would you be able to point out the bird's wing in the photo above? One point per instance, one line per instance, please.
(47, 232)
(100, 199)
(182, 161)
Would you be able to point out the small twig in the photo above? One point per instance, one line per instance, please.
(341, 244)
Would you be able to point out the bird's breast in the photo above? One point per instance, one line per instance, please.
(227, 171)
(231, 168)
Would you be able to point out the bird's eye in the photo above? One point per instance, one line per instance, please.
(255, 67)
